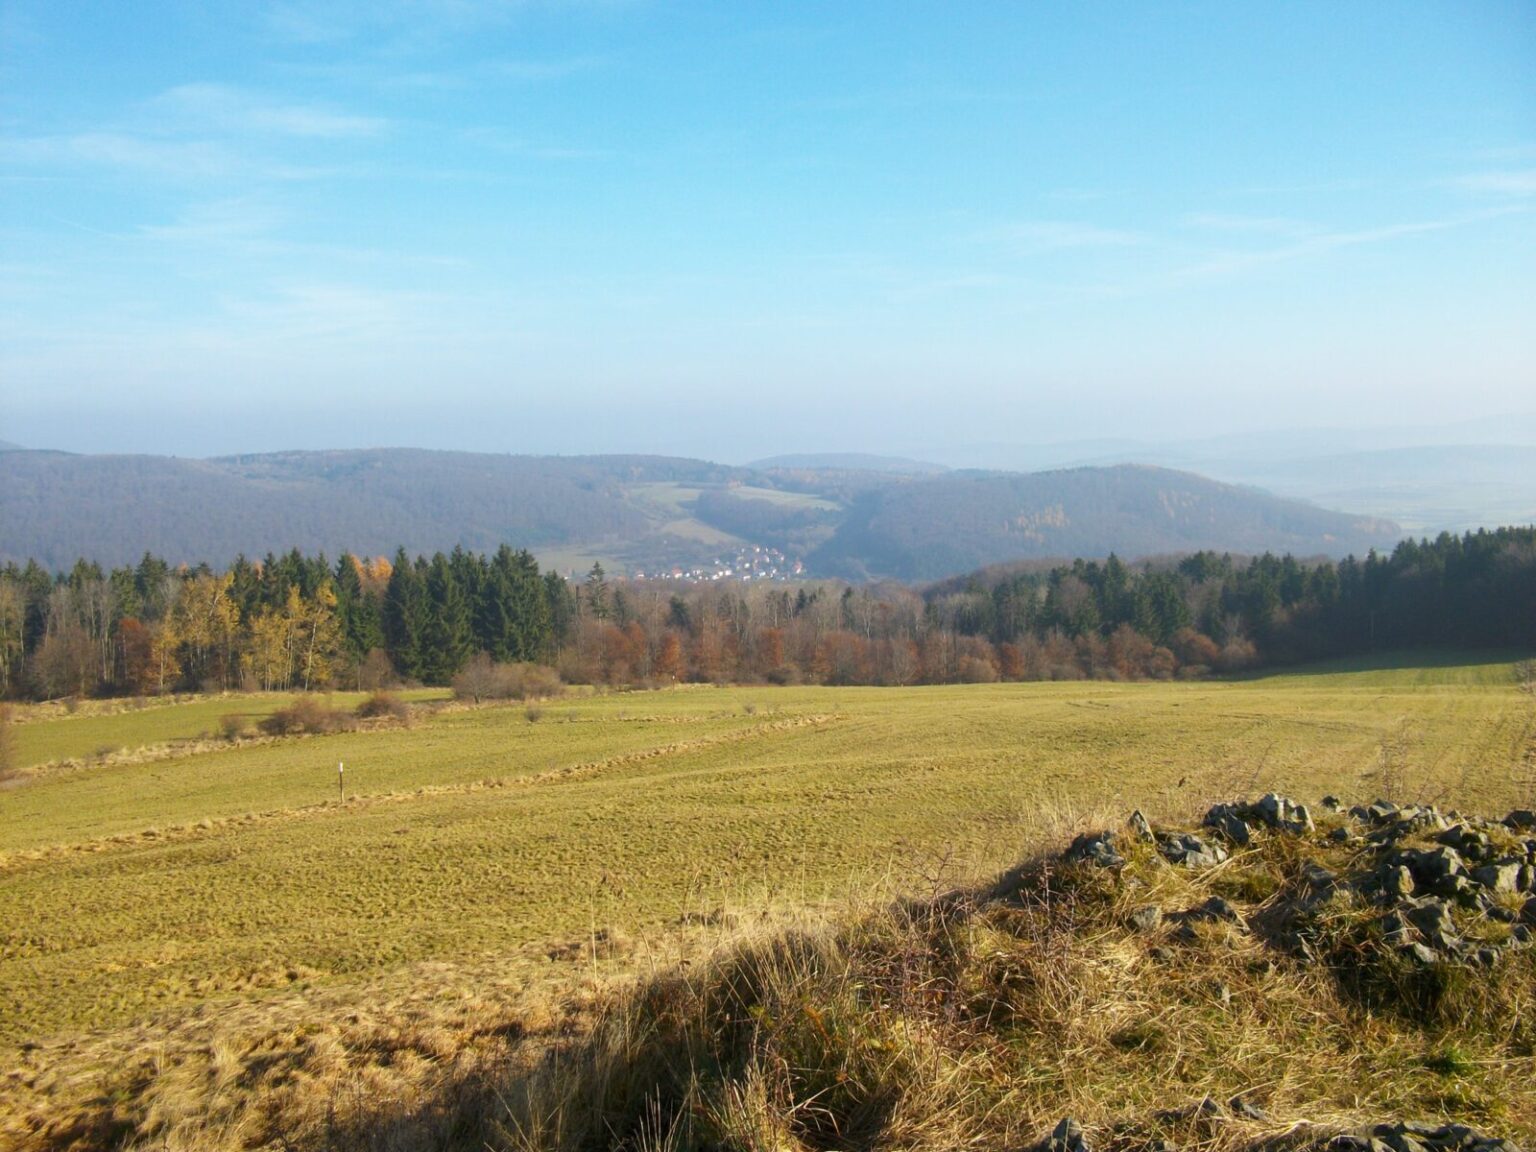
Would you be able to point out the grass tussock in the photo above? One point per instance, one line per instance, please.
(982, 1018)
(975, 1017)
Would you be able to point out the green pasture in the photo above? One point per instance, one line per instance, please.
(478, 833)
(91, 732)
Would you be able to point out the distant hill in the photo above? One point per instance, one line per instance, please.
(1419, 477)
(1428, 488)
(8, 446)
(848, 462)
(632, 512)
(56, 506)
(963, 521)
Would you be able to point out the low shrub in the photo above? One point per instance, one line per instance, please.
(384, 705)
(307, 714)
(484, 679)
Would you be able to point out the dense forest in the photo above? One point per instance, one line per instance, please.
(296, 621)
(958, 522)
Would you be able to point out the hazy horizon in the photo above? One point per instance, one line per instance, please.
(1271, 444)
(738, 232)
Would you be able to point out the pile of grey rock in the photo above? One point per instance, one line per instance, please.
(1271, 811)
(1479, 866)
(1424, 878)
(1470, 869)
(1406, 1136)
(1415, 1138)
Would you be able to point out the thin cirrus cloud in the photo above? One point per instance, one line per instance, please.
(199, 132)
(1517, 183)
(219, 220)
(126, 150)
(222, 107)
(1320, 243)
(176, 160)
(1061, 235)
(1248, 225)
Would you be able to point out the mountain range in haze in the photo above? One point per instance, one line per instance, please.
(843, 515)
(1477, 473)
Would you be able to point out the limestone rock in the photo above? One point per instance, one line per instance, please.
(1095, 848)
(1191, 851)
(1241, 1107)
(1067, 1136)
(1224, 819)
(1502, 876)
(1140, 828)
(1397, 882)
(1215, 908)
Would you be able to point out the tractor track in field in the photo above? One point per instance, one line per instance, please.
(204, 829)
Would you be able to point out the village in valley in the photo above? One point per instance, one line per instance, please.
(750, 562)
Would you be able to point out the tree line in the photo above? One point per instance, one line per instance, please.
(296, 621)
(284, 622)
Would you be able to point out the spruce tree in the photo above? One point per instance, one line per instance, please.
(405, 617)
(448, 637)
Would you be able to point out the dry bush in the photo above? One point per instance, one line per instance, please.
(1525, 676)
(1236, 655)
(376, 672)
(308, 715)
(233, 725)
(484, 679)
(383, 705)
(974, 670)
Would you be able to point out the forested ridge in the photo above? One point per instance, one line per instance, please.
(297, 621)
(635, 513)
(964, 520)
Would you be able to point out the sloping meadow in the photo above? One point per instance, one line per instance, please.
(1250, 983)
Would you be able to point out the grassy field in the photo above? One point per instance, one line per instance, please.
(139, 892)
(49, 733)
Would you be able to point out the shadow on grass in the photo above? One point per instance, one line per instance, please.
(1495, 665)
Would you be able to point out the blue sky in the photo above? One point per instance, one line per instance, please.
(729, 230)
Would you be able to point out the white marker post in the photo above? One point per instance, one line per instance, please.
(341, 783)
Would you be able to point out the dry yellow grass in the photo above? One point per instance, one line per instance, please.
(208, 903)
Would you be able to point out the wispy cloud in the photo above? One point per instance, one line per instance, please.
(179, 160)
(499, 140)
(1322, 243)
(305, 24)
(1520, 182)
(1081, 195)
(402, 26)
(183, 158)
(1056, 235)
(540, 70)
(225, 108)
(197, 133)
(305, 310)
(219, 220)
(384, 74)
(1248, 225)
